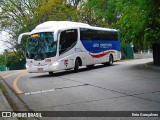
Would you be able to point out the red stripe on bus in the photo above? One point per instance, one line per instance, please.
(101, 55)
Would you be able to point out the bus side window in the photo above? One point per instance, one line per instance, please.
(68, 39)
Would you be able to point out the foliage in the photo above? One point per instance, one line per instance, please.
(12, 58)
(137, 20)
(93, 12)
(18, 16)
(132, 22)
(2, 60)
(54, 10)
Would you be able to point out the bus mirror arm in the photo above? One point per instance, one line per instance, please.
(20, 37)
(56, 35)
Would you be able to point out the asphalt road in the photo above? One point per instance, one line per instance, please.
(125, 86)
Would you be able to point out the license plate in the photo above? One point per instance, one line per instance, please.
(40, 69)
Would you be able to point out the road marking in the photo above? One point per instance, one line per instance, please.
(12, 74)
(50, 90)
(40, 91)
(15, 83)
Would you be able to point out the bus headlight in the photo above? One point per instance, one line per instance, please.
(55, 64)
(27, 65)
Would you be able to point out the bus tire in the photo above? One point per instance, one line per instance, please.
(76, 66)
(110, 60)
(51, 73)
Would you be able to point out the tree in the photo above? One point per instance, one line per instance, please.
(133, 22)
(12, 58)
(2, 60)
(15, 18)
(137, 20)
(154, 27)
(18, 16)
(93, 12)
(54, 10)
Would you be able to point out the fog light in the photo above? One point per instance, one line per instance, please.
(27, 65)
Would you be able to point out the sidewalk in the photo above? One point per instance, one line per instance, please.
(4, 106)
(152, 66)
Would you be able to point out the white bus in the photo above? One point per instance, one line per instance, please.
(62, 45)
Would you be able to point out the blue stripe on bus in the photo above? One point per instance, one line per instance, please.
(97, 46)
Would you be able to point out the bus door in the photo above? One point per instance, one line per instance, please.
(67, 42)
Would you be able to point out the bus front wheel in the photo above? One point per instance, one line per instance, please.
(51, 73)
(76, 65)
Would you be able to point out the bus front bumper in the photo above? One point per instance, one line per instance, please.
(46, 68)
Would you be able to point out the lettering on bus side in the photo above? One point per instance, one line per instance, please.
(96, 41)
(107, 45)
(103, 45)
(77, 49)
(96, 45)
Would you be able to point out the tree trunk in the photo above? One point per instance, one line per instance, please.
(156, 53)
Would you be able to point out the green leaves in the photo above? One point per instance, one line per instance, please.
(2, 60)
(137, 20)
(19, 16)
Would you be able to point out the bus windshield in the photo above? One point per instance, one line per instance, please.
(40, 46)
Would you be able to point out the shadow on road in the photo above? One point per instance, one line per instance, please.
(71, 71)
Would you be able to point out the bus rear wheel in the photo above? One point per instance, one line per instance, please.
(110, 60)
(76, 67)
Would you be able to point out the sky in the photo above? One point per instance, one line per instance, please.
(3, 36)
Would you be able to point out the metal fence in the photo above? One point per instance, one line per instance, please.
(143, 54)
(18, 66)
(3, 68)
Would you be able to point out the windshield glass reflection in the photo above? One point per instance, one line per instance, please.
(40, 46)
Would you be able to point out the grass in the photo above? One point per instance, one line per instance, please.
(2, 88)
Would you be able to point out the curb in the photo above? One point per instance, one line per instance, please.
(4, 103)
(14, 102)
(151, 67)
(4, 106)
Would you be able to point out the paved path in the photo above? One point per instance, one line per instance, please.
(125, 86)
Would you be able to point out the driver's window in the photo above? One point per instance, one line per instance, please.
(68, 39)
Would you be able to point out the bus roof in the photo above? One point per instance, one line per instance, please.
(50, 26)
(100, 28)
